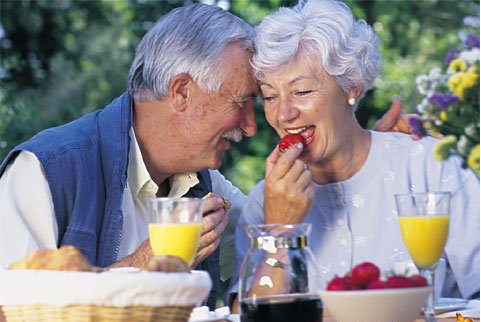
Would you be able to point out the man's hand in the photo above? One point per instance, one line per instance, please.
(394, 121)
(214, 222)
(137, 259)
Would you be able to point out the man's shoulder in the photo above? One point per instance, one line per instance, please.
(83, 133)
(75, 135)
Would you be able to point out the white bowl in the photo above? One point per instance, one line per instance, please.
(393, 305)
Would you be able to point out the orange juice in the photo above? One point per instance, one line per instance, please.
(175, 239)
(424, 237)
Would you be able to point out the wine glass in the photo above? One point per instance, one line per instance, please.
(174, 226)
(424, 221)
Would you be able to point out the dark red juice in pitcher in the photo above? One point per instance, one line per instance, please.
(282, 309)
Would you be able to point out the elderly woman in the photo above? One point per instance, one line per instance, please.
(314, 63)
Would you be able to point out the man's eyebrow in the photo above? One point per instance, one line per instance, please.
(250, 95)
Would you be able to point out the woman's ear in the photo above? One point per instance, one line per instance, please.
(179, 90)
(355, 92)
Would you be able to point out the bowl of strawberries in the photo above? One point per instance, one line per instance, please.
(363, 295)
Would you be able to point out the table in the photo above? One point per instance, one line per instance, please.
(327, 318)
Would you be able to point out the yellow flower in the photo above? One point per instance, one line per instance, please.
(460, 82)
(457, 65)
(443, 116)
(473, 159)
(442, 148)
(454, 84)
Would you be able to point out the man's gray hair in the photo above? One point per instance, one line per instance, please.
(190, 40)
(323, 29)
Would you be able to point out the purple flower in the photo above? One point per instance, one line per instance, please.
(416, 126)
(450, 56)
(443, 100)
(471, 41)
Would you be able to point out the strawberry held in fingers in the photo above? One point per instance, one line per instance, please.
(289, 140)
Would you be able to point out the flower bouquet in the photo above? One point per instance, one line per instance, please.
(450, 105)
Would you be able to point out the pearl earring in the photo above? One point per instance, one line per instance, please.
(351, 101)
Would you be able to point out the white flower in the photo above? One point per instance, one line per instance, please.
(435, 74)
(470, 56)
(471, 21)
(422, 82)
(470, 130)
(463, 145)
(423, 107)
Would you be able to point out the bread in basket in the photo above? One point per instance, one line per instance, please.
(125, 294)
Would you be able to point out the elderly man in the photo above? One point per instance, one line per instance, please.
(191, 92)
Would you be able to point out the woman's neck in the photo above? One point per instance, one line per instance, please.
(346, 161)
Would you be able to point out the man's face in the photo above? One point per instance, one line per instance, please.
(222, 117)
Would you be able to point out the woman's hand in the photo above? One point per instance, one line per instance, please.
(289, 192)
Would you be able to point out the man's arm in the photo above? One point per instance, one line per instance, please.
(394, 121)
(27, 221)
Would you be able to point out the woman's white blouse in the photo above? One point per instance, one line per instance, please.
(356, 220)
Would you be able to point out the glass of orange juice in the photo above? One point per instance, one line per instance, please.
(174, 226)
(424, 221)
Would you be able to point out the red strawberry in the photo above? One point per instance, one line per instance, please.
(338, 284)
(376, 285)
(364, 273)
(397, 281)
(352, 286)
(289, 140)
(418, 281)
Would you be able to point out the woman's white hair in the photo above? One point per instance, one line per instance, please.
(326, 31)
(189, 39)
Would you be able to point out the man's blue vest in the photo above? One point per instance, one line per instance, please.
(85, 163)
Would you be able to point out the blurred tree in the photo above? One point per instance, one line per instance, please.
(60, 59)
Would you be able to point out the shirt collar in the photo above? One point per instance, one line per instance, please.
(139, 178)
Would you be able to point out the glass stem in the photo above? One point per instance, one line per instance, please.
(429, 312)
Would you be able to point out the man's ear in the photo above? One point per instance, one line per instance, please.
(180, 88)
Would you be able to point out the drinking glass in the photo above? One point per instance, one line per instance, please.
(424, 221)
(174, 226)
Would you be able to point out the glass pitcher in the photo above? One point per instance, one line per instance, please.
(278, 277)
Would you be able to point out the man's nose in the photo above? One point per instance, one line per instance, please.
(248, 123)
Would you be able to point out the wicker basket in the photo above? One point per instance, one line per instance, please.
(90, 313)
(48, 296)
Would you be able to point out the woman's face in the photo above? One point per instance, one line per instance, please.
(302, 99)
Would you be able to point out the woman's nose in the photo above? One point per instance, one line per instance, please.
(287, 111)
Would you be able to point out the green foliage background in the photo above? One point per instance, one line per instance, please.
(60, 59)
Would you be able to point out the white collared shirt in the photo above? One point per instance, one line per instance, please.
(28, 222)
(141, 187)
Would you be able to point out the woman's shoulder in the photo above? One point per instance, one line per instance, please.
(402, 141)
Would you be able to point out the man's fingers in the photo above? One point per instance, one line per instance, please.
(211, 220)
(210, 236)
(390, 118)
(205, 252)
(212, 204)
